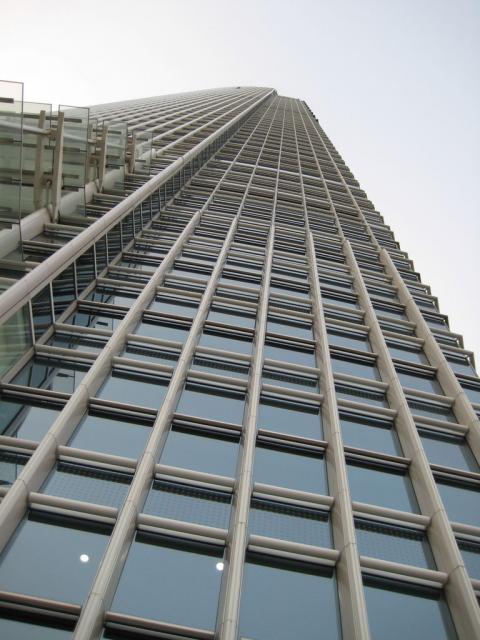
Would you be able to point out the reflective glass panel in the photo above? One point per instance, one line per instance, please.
(462, 501)
(106, 435)
(212, 403)
(369, 433)
(354, 367)
(134, 389)
(162, 575)
(11, 466)
(46, 551)
(25, 421)
(55, 375)
(385, 488)
(200, 452)
(13, 629)
(397, 612)
(285, 468)
(301, 602)
(286, 354)
(290, 417)
(448, 449)
(470, 551)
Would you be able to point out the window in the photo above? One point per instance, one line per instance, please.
(55, 375)
(397, 611)
(200, 451)
(381, 486)
(290, 417)
(286, 467)
(107, 435)
(12, 628)
(293, 354)
(162, 576)
(448, 449)
(368, 432)
(46, 551)
(96, 319)
(175, 306)
(291, 327)
(472, 391)
(393, 543)
(290, 379)
(220, 366)
(461, 501)
(226, 342)
(470, 551)
(289, 522)
(87, 484)
(30, 422)
(232, 315)
(348, 339)
(431, 410)
(354, 367)
(151, 353)
(212, 403)
(141, 389)
(282, 600)
(403, 351)
(113, 295)
(415, 380)
(356, 393)
(11, 466)
(461, 364)
(163, 330)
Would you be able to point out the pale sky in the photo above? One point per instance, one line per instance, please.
(394, 83)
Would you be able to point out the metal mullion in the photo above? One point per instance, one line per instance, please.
(458, 590)
(350, 586)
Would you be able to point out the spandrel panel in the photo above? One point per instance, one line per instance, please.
(301, 602)
(107, 435)
(87, 484)
(393, 543)
(179, 501)
(46, 551)
(29, 422)
(200, 452)
(287, 522)
(416, 613)
(160, 576)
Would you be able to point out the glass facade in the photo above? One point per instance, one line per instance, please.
(239, 392)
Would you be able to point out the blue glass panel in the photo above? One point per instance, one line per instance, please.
(55, 375)
(381, 487)
(462, 501)
(170, 581)
(134, 389)
(212, 403)
(25, 421)
(200, 452)
(290, 417)
(354, 367)
(12, 629)
(45, 553)
(116, 437)
(448, 449)
(286, 354)
(285, 468)
(11, 466)
(470, 551)
(301, 603)
(369, 433)
(397, 612)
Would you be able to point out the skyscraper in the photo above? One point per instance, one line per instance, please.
(229, 406)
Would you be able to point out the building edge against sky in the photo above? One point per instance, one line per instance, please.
(229, 406)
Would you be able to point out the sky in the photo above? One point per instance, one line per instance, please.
(395, 84)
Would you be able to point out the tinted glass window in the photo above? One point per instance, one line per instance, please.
(276, 520)
(111, 296)
(183, 502)
(95, 320)
(12, 629)
(285, 468)
(392, 543)
(369, 433)
(225, 342)
(416, 613)
(472, 392)
(160, 577)
(220, 367)
(134, 389)
(470, 551)
(289, 417)
(461, 502)
(80, 482)
(11, 466)
(51, 374)
(175, 307)
(200, 452)
(419, 382)
(46, 551)
(117, 437)
(361, 394)
(228, 315)
(354, 367)
(383, 488)
(407, 354)
(448, 449)
(285, 354)
(162, 331)
(301, 603)
(151, 353)
(212, 403)
(291, 328)
(349, 340)
(25, 421)
(437, 411)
